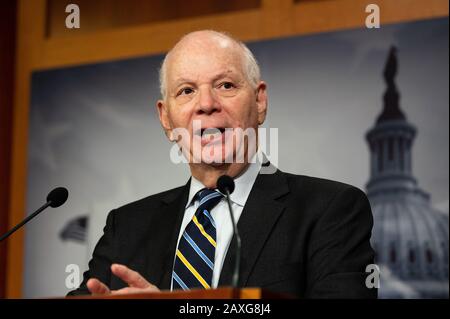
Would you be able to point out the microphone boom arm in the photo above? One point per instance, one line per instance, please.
(55, 198)
(26, 220)
(237, 261)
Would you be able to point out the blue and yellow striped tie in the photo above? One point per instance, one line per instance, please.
(194, 262)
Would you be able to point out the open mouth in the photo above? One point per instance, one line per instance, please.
(211, 131)
(211, 135)
(207, 131)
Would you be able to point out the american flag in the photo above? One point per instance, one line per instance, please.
(75, 230)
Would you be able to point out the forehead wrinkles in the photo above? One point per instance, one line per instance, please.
(200, 56)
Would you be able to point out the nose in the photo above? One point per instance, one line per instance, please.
(207, 103)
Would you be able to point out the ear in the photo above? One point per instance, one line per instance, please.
(261, 101)
(163, 113)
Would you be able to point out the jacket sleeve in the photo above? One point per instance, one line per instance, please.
(340, 250)
(102, 258)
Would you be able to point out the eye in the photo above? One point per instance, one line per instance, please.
(185, 91)
(227, 85)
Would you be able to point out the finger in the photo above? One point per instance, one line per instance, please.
(127, 290)
(96, 287)
(131, 277)
(134, 290)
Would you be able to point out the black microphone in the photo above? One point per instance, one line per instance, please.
(55, 198)
(225, 185)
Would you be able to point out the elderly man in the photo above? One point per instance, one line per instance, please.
(301, 235)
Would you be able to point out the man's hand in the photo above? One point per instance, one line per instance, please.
(137, 283)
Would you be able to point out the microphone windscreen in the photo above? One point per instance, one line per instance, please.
(225, 183)
(57, 197)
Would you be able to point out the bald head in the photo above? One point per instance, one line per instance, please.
(203, 41)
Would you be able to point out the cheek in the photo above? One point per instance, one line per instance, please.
(179, 117)
(243, 111)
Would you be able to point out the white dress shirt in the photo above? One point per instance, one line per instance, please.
(224, 228)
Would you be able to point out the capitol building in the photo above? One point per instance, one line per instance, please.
(410, 237)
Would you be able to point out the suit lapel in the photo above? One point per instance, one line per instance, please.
(257, 220)
(167, 230)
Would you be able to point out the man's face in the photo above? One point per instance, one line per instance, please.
(206, 81)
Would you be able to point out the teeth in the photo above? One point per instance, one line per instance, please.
(211, 131)
(211, 134)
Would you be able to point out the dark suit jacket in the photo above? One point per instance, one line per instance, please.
(300, 235)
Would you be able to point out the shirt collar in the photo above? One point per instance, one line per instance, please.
(243, 183)
(195, 186)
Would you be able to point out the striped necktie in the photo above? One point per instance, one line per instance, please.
(194, 262)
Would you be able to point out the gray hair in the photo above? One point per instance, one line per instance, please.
(251, 66)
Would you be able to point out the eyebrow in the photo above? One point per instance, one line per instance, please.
(182, 80)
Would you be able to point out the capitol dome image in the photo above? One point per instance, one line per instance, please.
(410, 237)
